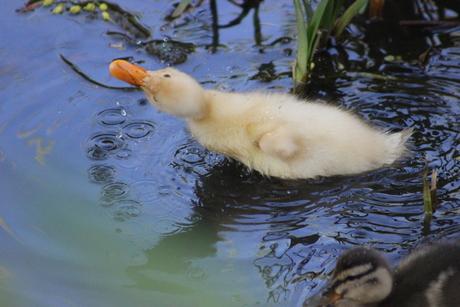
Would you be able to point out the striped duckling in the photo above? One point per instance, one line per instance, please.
(428, 277)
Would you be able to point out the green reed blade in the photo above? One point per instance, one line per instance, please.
(180, 8)
(348, 15)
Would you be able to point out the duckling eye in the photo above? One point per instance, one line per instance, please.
(166, 76)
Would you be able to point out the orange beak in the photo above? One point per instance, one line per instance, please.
(324, 297)
(128, 72)
(333, 298)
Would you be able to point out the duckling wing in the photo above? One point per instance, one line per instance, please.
(280, 142)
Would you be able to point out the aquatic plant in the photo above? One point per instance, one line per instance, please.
(314, 27)
(429, 192)
(110, 12)
(180, 8)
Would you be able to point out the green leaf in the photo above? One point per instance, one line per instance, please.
(348, 15)
(429, 194)
(180, 8)
(302, 44)
(308, 10)
(427, 203)
(312, 25)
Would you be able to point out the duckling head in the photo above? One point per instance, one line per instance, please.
(168, 90)
(362, 277)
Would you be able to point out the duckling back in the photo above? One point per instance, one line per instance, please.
(279, 135)
(429, 277)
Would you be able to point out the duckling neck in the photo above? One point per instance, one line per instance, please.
(203, 107)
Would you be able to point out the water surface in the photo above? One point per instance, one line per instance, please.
(106, 202)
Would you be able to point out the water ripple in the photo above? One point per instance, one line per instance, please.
(196, 273)
(114, 190)
(102, 145)
(110, 117)
(138, 130)
(124, 210)
(101, 173)
(164, 225)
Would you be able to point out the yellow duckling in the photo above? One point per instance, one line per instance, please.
(273, 133)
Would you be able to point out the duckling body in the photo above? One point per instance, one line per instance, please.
(428, 277)
(273, 133)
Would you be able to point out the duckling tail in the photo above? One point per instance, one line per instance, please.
(397, 144)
